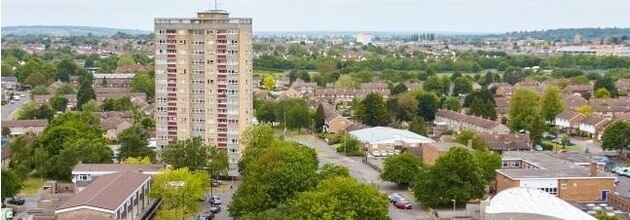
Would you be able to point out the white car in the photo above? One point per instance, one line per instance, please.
(376, 153)
(396, 152)
(390, 153)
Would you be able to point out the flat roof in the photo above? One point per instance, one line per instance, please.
(446, 146)
(385, 135)
(535, 202)
(550, 165)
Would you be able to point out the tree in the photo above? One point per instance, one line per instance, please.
(469, 136)
(269, 81)
(137, 160)
(513, 75)
(349, 145)
(418, 126)
(537, 128)
(293, 75)
(552, 104)
(332, 170)
(59, 103)
(461, 86)
(617, 136)
(143, 83)
(36, 79)
(256, 139)
(602, 93)
(483, 94)
(401, 169)
(6, 131)
(489, 162)
(134, 144)
(305, 76)
(346, 82)
(217, 162)
(87, 150)
(279, 173)
(399, 88)
(86, 92)
(602, 215)
(428, 104)
(319, 118)
(339, 198)
(266, 112)
(403, 107)
(91, 106)
(452, 104)
(11, 183)
(326, 66)
(584, 109)
(455, 175)
(39, 90)
(65, 89)
(298, 116)
(608, 83)
(434, 84)
(190, 153)
(180, 189)
(126, 60)
(372, 110)
(66, 68)
(523, 108)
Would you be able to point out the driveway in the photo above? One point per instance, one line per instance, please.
(362, 173)
(9, 109)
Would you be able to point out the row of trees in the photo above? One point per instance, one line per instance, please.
(530, 112)
(282, 181)
(292, 113)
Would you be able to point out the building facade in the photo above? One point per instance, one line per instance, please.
(203, 70)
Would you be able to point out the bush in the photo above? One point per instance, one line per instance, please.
(335, 139)
(547, 146)
(448, 132)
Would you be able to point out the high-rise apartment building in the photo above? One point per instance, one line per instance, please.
(203, 74)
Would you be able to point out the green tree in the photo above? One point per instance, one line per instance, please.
(455, 175)
(552, 104)
(217, 162)
(58, 103)
(66, 68)
(349, 145)
(91, 106)
(6, 131)
(87, 150)
(133, 143)
(137, 160)
(180, 189)
(11, 183)
(513, 75)
(461, 86)
(143, 83)
(339, 198)
(452, 104)
(602, 215)
(190, 153)
(332, 170)
(346, 82)
(298, 116)
(305, 76)
(523, 109)
(399, 88)
(326, 66)
(86, 92)
(402, 169)
(602, 93)
(434, 84)
(319, 118)
(468, 136)
(608, 83)
(39, 90)
(256, 139)
(269, 81)
(36, 79)
(617, 136)
(428, 104)
(489, 162)
(537, 128)
(482, 108)
(126, 60)
(293, 75)
(372, 110)
(65, 89)
(418, 126)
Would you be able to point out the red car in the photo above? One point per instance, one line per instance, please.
(402, 205)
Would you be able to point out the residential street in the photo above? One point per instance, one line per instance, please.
(8, 109)
(363, 173)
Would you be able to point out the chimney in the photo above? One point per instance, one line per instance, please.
(592, 168)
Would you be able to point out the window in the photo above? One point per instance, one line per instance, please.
(563, 186)
(516, 163)
(504, 164)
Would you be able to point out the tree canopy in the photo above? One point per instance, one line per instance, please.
(372, 110)
(617, 136)
(402, 169)
(180, 189)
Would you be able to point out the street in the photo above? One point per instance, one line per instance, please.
(8, 109)
(225, 193)
(363, 173)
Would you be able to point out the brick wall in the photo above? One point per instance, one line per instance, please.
(80, 212)
(584, 190)
(619, 202)
(503, 182)
(430, 154)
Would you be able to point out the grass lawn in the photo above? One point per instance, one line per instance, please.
(558, 147)
(32, 186)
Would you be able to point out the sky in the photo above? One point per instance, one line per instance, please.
(475, 16)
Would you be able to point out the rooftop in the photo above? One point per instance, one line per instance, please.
(386, 135)
(112, 167)
(114, 75)
(535, 202)
(549, 165)
(446, 146)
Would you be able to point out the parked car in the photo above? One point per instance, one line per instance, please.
(394, 197)
(15, 201)
(206, 216)
(215, 209)
(215, 200)
(376, 153)
(537, 147)
(216, 183)
(403, 205)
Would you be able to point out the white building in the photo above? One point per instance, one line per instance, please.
(364, 38)
(384, 136)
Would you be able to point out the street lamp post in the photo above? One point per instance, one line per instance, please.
(454, 202)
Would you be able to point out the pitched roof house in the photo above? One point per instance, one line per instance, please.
(594, 126)
(569, 120)
(457, 122)
(19, 127)
(505, 142)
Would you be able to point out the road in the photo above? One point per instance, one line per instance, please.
(362, 173)
(8, 109)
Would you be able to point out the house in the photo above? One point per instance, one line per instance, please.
(569, 121)
(5, 155)
(594, 126)
(74, 80)
(568, 180)
(380, 138)
(502, 107)
(501, 89)
(334, 122)
(573, 101)
(530, 203)
(412, 86)
(458, 122)
(135, 68)
(608, 107)
(19, 127)
(84, 173)
(623, 86)
(299, 88)
(505, 142)
(52, 88)
(579, 89)
(115, 80)
(138, 95)
(432, 151)
(119, 195)
(115, 114)
(451, 119)
(44, 99)
(120, 91)
(115, 126)
(9, 83)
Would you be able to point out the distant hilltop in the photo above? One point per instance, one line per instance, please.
(67, 30)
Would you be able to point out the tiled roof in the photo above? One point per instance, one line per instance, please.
(593, 120)
(25, 123)
(108, 191)
(503, 142)
(573, 101)
(569, 115)
(114, 114)
(481, 122)
(455, 116)
(113, 167)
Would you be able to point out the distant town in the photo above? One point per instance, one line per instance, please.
(205, 118)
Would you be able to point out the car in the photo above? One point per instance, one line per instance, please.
(216, 183)
(403, 205)
(624, 172)
(206, 216)
(15, 201)
(23, 95)
(376, 153)
(215, 209)
(394, 197)
(215, 200)
(537, 147)
(390, 153)
(601, 159)
(396, 152)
